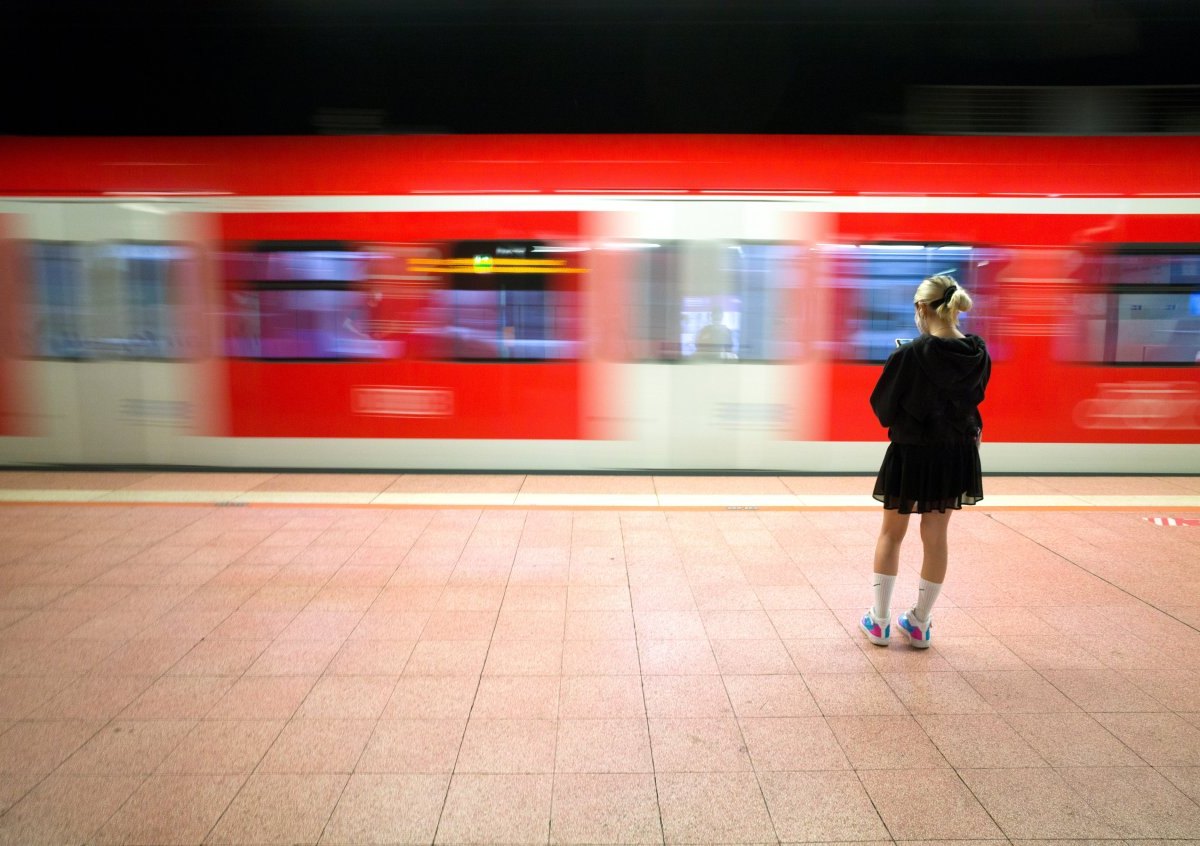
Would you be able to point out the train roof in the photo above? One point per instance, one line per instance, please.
(454, 164)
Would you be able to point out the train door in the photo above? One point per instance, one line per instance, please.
(112, 316)
(715, 299)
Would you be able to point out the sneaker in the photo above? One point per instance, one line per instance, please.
(918, 633)
(876, 632)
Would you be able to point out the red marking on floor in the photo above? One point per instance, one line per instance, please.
(1172, 521)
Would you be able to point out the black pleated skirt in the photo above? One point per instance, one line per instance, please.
(918, 479)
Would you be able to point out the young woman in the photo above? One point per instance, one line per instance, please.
(928, 396)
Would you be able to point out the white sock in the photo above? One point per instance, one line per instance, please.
(882, 609)
(927, 593)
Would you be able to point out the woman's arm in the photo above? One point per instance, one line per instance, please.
(885, 399)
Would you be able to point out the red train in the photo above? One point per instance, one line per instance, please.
(587, 303)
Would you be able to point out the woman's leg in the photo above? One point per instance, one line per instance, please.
(887, 547)
(934, 527)
(887, 561)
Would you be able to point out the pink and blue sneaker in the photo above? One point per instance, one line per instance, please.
(878, 633)
(918, 633)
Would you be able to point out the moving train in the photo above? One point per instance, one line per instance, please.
(587, 303)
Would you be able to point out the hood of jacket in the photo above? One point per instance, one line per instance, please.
(954, 365)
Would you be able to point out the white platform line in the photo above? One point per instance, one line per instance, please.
(568, 500)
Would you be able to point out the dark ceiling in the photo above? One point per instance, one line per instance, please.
(467, 66)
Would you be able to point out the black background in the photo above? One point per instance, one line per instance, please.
(467, 66)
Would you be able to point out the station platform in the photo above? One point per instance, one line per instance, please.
(254, 658)
(580, 491)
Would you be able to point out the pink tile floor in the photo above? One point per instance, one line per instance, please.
(186, 674)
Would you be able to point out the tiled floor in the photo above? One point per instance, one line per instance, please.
(564, 660)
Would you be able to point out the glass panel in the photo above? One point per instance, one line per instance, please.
(314, 324)
(149, 300)
(110, 301)
(873, 287)
(301, 301)
(474, 323)
(713, 301)
(58, 275)
(656, 301)
(710, 327)
(509, 301)
(764, 276)
(1158, 328)
(243, 332)
(465, 300)
(1158, 268)
(1148, 311)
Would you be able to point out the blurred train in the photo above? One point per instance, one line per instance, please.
(599, 303)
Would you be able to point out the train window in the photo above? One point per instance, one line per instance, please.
(764, 275)
(873, 285)
(468, 300)
(656, 301)
(100, 301)
(711, 301)
(58, 300)
(1147, 310)
(300, 300)
(502, 301)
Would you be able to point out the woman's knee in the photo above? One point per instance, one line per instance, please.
(934, 524)
(894, 527)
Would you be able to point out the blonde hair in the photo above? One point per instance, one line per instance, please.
(934, 288)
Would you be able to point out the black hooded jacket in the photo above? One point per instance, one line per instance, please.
(930, 390)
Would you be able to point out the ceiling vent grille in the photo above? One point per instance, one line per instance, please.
(1053, 110)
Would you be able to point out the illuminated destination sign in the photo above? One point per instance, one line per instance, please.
(489, 264)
